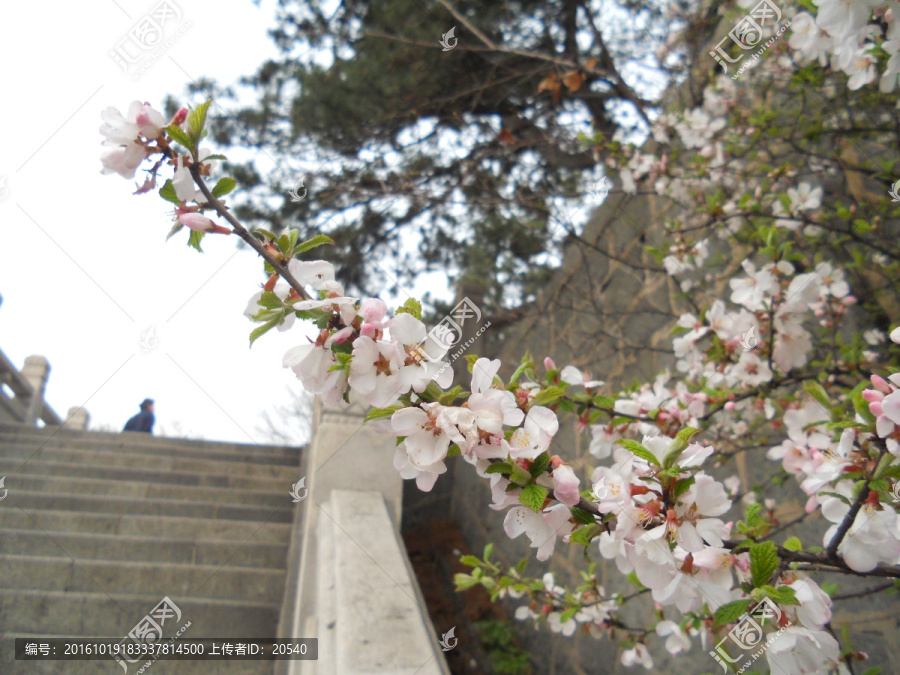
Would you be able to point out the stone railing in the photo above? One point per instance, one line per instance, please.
(350, 583)
(22, 395)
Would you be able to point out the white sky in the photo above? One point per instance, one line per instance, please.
(84, 266)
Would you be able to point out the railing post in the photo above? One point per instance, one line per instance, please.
(77, 419)
(36, 371)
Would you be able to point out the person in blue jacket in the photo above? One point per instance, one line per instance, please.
(143, 421)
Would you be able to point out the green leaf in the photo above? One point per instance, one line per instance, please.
(176, 133)
(817, 391)
(533, 497)
(411, 306)
(175, 229)
(167, 192)
(731, 612)
(499, 467)
(270, 301)
(318, 240)
(604, 402)
(584, 535)
(209, 157)
(470, 560)
(793, 544)
(782, 595)
(224, 186)
(487, 551)
(259, 331)
(381, 413)
(519, 476)
(763, 562)
(638, 450)
(568, 614)
(196, 120)
(194, 240)
(677, 446)
(464, 581)
(540, 464)
(453, 450)
(449, 396)
(267, 236)
(527, 364)
(683, 485)
(548, 396)
(582, 516)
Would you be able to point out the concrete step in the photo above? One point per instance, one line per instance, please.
(39, 467)
(125, 443)
(32, 501)
(165, 527)
(54, 435)
(45, 573)
(26, 453)
(114, 614)
(141, 490)
(144, 549)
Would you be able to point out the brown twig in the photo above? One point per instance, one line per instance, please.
(244, 234)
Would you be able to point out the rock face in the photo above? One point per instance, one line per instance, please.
(98, 528)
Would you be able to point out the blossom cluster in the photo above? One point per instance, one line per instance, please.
(654, 511)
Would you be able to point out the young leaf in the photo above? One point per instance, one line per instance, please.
(381, 413)
(731, 612)
(582, 516)
(549, 396)
(533, 497)
(411, 306)
(763, 562)
(318, 240)
(793, 544)
(194, 240)
(175, 229)
(527, 364)
(176, 133)
(224, 186)
(259, 331)
(540, 464)
(196, 120)
(638, 450)
(167, 192)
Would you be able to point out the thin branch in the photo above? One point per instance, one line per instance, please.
(244, 234)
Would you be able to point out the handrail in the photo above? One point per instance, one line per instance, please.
(21, 396)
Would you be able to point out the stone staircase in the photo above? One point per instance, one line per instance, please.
(96, 529)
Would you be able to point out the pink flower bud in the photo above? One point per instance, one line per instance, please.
(876, 409)
(729, 405)
(180, 116)
(880, 384)
(548, 363)
(849, 300)
(196, 222)
(871, 395)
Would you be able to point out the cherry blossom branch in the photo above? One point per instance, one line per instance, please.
(244, 234)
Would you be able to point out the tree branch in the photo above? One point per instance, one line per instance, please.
(244, 234)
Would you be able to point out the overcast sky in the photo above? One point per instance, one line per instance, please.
(85, 270)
